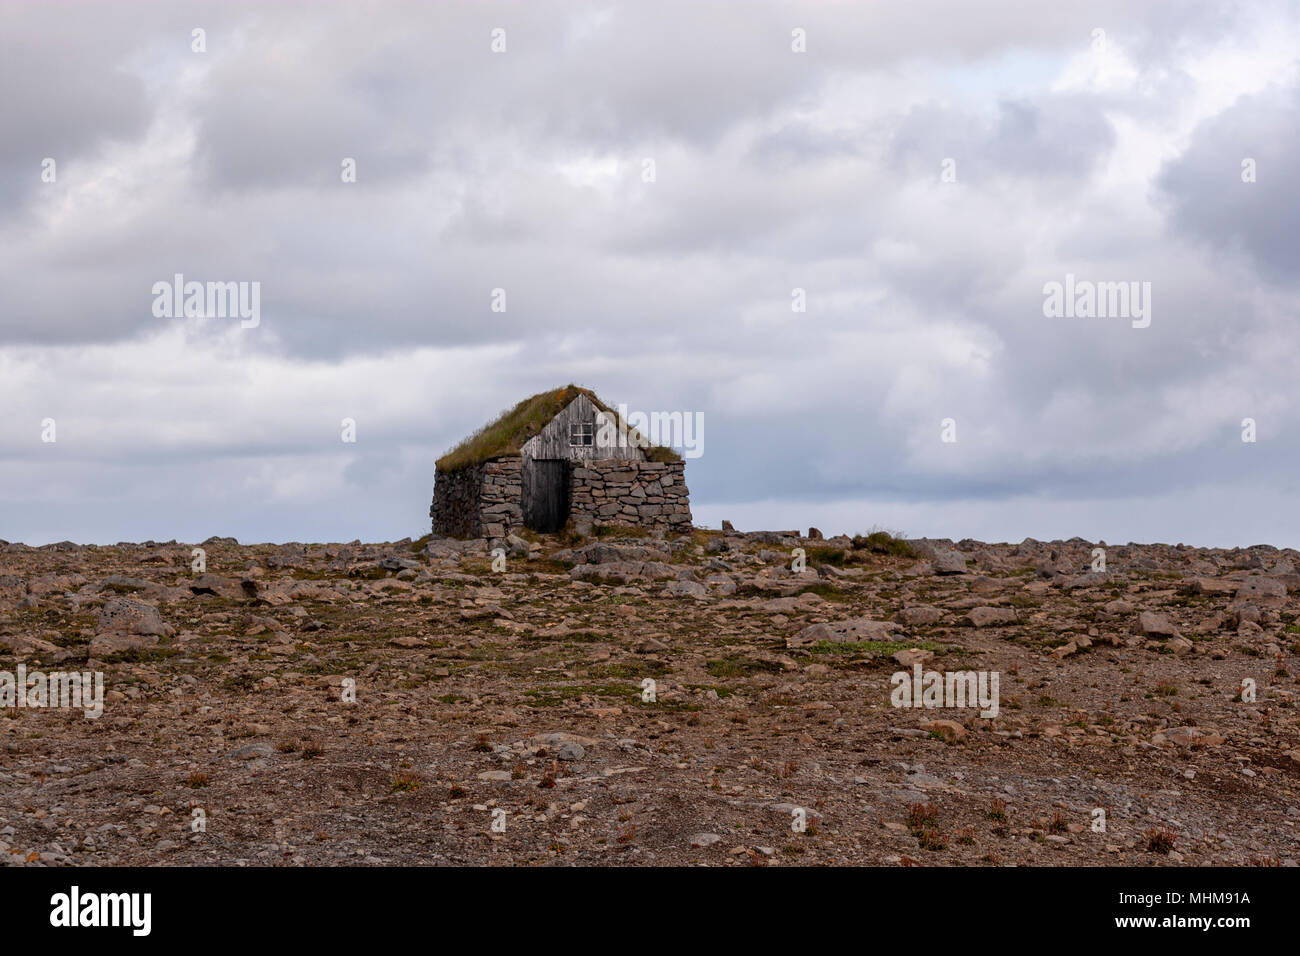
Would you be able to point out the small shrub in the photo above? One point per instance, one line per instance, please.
(406, 782)
(931, 839)
(1160, 839)
(921, 816)
(879, 541)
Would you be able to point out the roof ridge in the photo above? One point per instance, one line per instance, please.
(505, 435)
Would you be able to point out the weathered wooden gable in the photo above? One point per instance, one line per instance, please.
(554, 440)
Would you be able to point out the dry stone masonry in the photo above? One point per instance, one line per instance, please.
(481, 501)
(541, 466)
(634, 494)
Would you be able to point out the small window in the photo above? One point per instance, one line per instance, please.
(581, 434)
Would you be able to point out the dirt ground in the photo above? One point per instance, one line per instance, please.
(506, 717)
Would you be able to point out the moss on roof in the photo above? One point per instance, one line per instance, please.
(504, 437)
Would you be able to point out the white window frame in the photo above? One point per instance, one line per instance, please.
(582, 434)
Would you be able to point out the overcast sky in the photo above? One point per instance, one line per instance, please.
(922, 170)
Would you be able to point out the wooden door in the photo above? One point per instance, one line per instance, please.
(545, 494)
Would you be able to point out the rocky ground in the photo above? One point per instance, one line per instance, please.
(523, 690)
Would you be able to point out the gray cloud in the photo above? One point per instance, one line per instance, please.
(523, 171)
(1210, 202)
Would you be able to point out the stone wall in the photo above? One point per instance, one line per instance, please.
(481, 501)
(455, 509)
(502, 497)
(485, 501)
(634, 494)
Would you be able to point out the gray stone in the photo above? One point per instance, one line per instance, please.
(920, 614)
(1155, 624)
(252, 752)
(571, 751)
(989, 616)
(849, 631)
(947, 561)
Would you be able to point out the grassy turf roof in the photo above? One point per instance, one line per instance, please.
(504, 437)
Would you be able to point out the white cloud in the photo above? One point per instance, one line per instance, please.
(523, 171)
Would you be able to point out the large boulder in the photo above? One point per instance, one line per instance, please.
(623, 571)
(1155, 624)
(13, 590)
(920, 614)
(687, 589)
(1211, 585)
(989, 616)
(214, 585)
(603, 552)
(127, 624)
(849, 631)
(946, 561)
(1262, 591)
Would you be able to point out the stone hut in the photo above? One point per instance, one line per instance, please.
(557, 457)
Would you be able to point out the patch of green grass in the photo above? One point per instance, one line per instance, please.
(827, 592)
(577, 637)
(142, 655)
(618, 531)
(547, 566)
(880, 541)
(825, 555)
(860, 648)
(627, 671)
(241, 682)
(736, 665)
(556, 695)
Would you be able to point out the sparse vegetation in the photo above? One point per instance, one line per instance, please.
(997, 811)
(405, 782)
(749, 715)
(880, 541)
(1160, 840)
